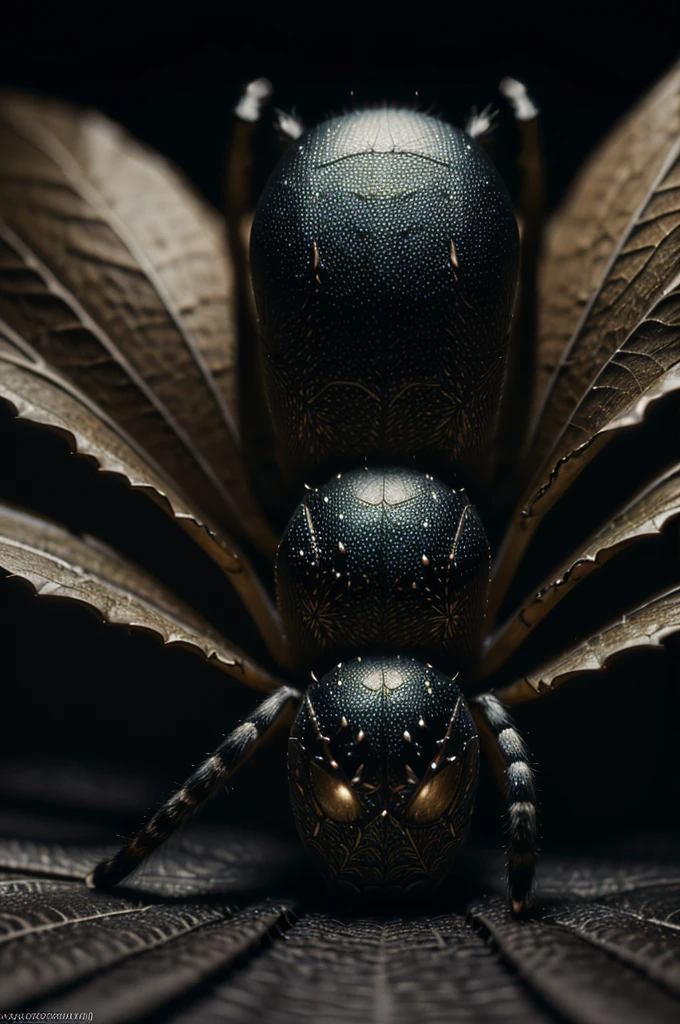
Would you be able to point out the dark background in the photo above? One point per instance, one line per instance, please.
(94, 717)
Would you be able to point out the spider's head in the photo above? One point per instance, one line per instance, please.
(383, 764)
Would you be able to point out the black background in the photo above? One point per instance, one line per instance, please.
(87, 708)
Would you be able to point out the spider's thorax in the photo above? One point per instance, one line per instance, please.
(385, 561)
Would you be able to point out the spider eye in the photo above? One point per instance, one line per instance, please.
(435, 794)
(335, 796)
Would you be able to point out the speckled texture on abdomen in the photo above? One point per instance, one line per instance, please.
(384, 260)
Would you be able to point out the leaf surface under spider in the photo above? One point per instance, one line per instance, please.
(602, 946)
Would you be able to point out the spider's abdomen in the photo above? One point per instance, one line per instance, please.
(384, 261)
(383, 561)
(383, 763)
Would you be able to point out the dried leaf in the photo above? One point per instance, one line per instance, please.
(639, 927)
(57, 564)
(644, 369)
(141, 984)
(40, 394)
(612, 278)
(55, 933)
(125, 951)
(394, 970)
(646, 515)
(588, 227)
(578, 980)
(117, 275)
(603, 949)
(199, 863)
(590, 877)
(645, 626)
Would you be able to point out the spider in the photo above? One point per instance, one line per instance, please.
(389, 373)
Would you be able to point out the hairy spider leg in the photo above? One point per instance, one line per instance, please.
(509, 757)
(277, 710)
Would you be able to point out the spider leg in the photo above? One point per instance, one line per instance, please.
(531, 214)
(238, 188)
(201, 786)
(480, 124)
(510, 759)
(257, 434)
(288, 126)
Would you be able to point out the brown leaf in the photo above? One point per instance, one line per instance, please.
(389, 969)
(646, 515)
(40, 394)
(118, 276)
(645, 626)
(612, 273)
(58, 564)
(571, 972)
(644, 369)
(639, 928)
(170, 970)
(587, 229)
(604, 948)
(54, 934)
